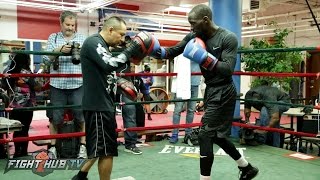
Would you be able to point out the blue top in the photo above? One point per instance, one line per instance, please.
(195, 79)
(147, 80)
(65, 64)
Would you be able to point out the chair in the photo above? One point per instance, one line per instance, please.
(311, 126)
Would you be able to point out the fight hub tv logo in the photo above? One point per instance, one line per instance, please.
(43, 163)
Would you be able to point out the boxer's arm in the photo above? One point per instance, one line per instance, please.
(151, 80)
(228, 59)
(247, 106)
(274, 111)
(247, 114)
(173, 51)
(51, 47)
(94, 51)
(142, 87)
(274, 119)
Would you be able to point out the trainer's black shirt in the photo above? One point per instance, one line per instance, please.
(124, 68)
(98, 68)
(265, 93)
(223, 45)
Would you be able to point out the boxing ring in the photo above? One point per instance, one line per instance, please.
(179, 161)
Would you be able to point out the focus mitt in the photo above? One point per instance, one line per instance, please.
(127, 88)
(141, 45)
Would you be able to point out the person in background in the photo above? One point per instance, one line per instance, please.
(21, 92)
(66, 91)
(178, 107)
(199, 106)
(142, 90)
(4, 98)
(128, 111)
(148, 81)
(270, 114)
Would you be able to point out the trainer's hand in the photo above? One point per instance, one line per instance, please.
(127, 88)
(140, 46)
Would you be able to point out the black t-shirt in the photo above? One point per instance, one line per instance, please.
(223, 45)
(125, 68)
(98, 68)
(265, 93)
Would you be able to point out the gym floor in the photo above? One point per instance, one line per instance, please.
(164, 161)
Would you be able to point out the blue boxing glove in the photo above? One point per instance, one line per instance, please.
(158, 51)
(195, 50)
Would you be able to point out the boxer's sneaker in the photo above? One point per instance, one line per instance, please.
(76, 177)
(134, 150)
(174, 139)
(53, 151)
(82, 152)
(187, 139)
(248, 172)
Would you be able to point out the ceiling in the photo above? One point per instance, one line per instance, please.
(293, 14)
(267, 7)
(278, 6)
(289, 13)
(274, 7)
(163, 2)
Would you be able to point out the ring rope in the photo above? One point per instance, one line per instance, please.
(145, 129)
(41, 52)
(272, 74)
(273, 129)
(39, 75)
(279, 49)
(281, 103)
(173, 74)
(154, 102)
(275, 74)
(240, 51)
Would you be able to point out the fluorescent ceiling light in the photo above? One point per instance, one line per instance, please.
(178, 9)
(81, 6)
(186, 5)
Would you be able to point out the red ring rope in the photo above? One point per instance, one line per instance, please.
(137, 129)
(271, 74)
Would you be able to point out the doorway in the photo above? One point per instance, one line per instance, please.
(312, 83)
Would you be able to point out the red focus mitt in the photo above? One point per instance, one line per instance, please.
(127, 88)
(46, 86)
(141, 45)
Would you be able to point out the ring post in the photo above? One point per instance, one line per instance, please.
(227, 14)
